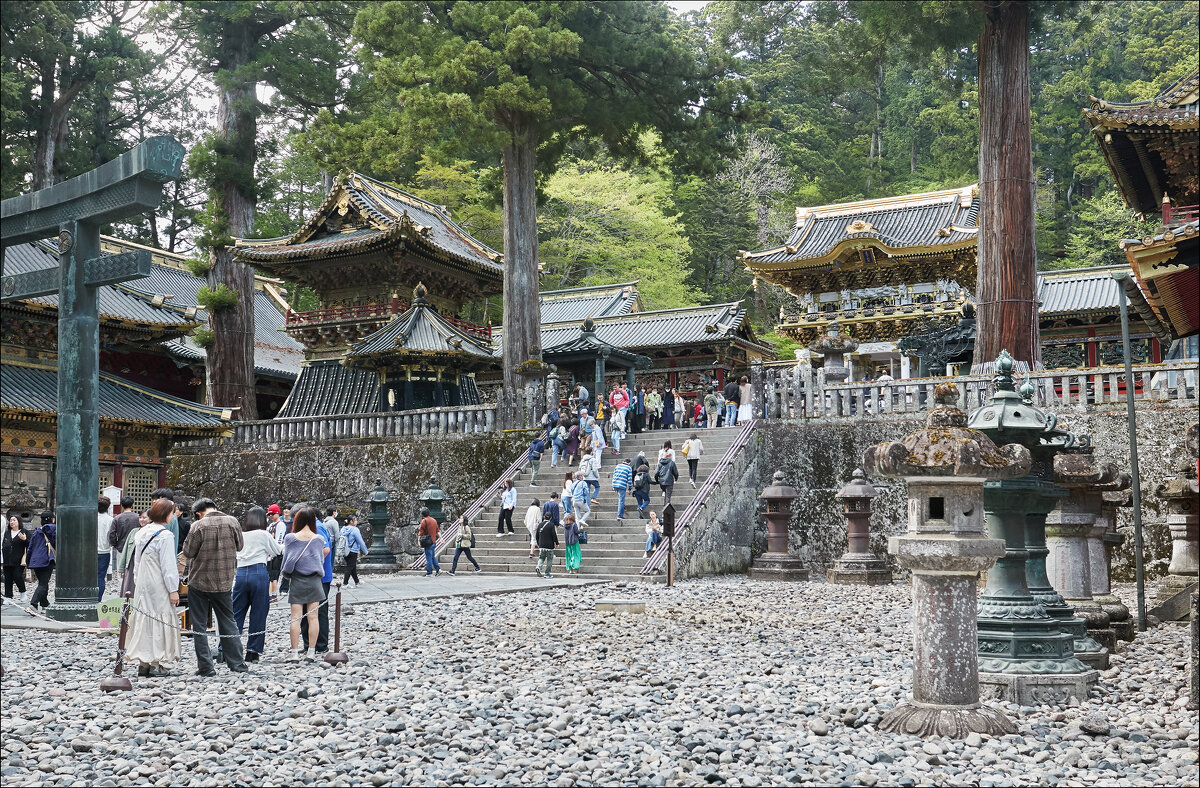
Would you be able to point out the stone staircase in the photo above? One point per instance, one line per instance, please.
(615, 549)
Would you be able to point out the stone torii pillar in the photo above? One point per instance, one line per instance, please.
(75, 210)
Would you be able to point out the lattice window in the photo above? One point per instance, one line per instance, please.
(139, 484)
(106, 479)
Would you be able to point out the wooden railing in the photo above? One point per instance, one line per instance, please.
(1178, 214)
(335, 314)
(683, 524)
(790, 391)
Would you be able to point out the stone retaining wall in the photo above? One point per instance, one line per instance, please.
(818, 458)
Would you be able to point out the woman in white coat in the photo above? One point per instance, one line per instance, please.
(533, 518)
(153, 636)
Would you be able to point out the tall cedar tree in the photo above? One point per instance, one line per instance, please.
(1006, 306)
(526, 78)
(288, 46)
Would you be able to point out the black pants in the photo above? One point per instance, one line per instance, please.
(460, 551)
(639, 423)
(692, 468)
(505, 517)
(322, 643)
(41, 594)
(655, 421)
(14, 574)
(220, 603)
(351, 568)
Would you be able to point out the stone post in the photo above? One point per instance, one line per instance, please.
(777, 563)
(834, 347)
(758, 398)
(1025, 656)
(945, 465)
(859, 566)
(1118, 613)
(552, 388)
(1182, 496)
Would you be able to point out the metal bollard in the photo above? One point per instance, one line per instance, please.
(337, 656)
(117, 682)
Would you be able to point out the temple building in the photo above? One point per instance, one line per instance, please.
(152, 374)
(363, 251)
(1152, 149)
(896, 274)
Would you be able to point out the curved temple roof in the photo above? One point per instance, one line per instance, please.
(420, 332)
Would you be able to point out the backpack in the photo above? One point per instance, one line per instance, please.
(342, 544)
(641, 481)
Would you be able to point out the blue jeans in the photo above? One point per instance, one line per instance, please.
(730, 413)
(102, 560)
(558, 452)
(251, 594)
(653, 540)
(595, 485)
(616, 440)
(642, 497)
(566, 505)
(621, 502)
(431, 562)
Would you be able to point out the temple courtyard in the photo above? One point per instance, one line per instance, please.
(721, 681)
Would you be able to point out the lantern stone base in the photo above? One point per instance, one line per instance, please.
(1034, 689)
(778, 566)
(862, 569)
(956, 722)
(1096, 620)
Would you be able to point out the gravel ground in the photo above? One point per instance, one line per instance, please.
(723, 681)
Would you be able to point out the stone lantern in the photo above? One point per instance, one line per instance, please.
(777, 563)
(859, 566)
(434, 498)
(378, 517)
(834, 346)
(23, 505)
(945, 465)
(1182, 496)
(1026, 656)
(1118, 613)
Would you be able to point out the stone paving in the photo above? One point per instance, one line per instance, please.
(721, 681)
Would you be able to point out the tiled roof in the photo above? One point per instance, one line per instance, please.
(326, 388)
(1175, 107)
(116, 302)
(1078, 290)
(393, 216)
(576, 303)
(653, 330)
(421, 331)
(586, 342)
(34, 389)
(910, 224)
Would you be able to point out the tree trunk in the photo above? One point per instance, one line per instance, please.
(230, 364)
(1006, 308)
(522, 313)
(42, 166)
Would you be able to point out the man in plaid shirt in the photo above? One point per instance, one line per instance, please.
(211, 552)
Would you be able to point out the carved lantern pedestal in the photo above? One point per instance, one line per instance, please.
(777, 563)
(434, 499)
(1182, 495)
(945, 466)
(378, 517)
(859, 566)
(1110, 538)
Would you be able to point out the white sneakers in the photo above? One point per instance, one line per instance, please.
(293, 655)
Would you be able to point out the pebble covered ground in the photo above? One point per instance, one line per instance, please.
(723, 681)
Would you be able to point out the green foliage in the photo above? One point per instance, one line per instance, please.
(197, 265)
(203, 337)
(604, 224)
(216, 300)
(785, 347)
(1099, 222)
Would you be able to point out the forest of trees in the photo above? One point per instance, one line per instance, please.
(679, 140)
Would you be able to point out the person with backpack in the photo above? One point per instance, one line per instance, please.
(558, 444)
(353, 546)
(665, 475)
(591, 475)
(733, 398)
(533, 518)
(552, 420)
(536, 449)
(40, 556)
(693, 449)
(641, 488)
(427, 535)
(622, 480)
(712, 408)
(572, 552)
(547, 540)
(571, 442)
(463, 544)
(581, 499)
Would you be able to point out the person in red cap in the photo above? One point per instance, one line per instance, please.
(278, 529)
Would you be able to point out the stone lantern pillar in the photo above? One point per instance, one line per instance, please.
(1024, 655)
(1068, 560)
(434, 499)
(378, 517)
(1182, 496)
(1111, 538)
(777, 563)
(945, 465)
(859, 566)
(834, 347)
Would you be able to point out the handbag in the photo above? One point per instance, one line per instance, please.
(49, 547)
(425, 541)
(582, 536)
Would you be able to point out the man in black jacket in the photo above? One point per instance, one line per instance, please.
(733, 398)
(123, 524)
(547, 540)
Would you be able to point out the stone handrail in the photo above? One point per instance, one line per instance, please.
(658, 561)
(792, 391)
